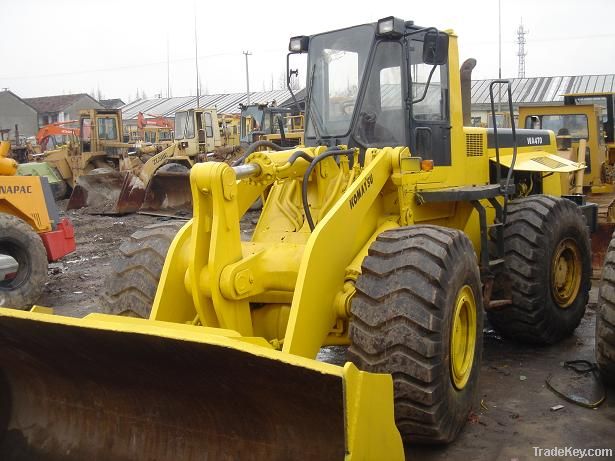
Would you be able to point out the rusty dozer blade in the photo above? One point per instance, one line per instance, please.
(112, 388)
(109, 192)
(168, 192)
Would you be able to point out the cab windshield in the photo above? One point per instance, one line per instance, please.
(184, 125)
(336, 63)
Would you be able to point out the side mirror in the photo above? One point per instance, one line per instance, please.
(435, 48)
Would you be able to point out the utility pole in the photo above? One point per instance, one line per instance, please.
(246, 54)
(521, 33)
(168, 71)
(196, 60)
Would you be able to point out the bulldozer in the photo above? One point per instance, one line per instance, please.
(31, 234)
(392, 231)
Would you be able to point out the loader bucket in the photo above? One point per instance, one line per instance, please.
(168, 192)
(108, 192)
(111, 388)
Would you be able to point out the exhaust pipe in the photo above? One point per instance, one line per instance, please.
(466, 89)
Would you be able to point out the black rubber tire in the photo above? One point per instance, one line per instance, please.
(19, 240)
(132, 284)
(535, 227)
(605, 318)
(401, 324)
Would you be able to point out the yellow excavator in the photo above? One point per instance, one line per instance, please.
(391, 232)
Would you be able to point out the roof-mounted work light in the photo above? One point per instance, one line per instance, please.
(391, 27)
(299, 44)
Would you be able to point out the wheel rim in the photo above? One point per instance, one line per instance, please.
(21, 256)
(566, 273)
(463, 337)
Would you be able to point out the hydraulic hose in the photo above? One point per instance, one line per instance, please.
(252, 148)
(304, 186)
(300, 154)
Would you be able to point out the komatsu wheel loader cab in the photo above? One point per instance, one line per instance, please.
(391, 232)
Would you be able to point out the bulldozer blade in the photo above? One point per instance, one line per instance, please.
(109, 193)
(112, 388)
(168, 194)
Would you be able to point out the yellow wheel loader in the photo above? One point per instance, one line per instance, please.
(262, 122)
(585, 135)
(392, 231)
(148, 179)
(31, 234)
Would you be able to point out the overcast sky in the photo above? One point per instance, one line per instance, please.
(120, 46)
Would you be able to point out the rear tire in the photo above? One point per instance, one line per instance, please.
(413, 283)
(605, 318)
(131, 287)
(18, 240)
(548, 259)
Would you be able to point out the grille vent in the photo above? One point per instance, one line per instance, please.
(549, 162)
(474, 145)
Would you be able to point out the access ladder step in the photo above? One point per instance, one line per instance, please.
(496, 262)
(497, 304)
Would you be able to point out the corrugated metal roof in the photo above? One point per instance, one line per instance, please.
(536, 90)
(541, 90)
(224, 103)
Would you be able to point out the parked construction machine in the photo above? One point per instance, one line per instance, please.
(571, 124)
(584, 132)
(49, 133)
(156, 130)
(606, 101)
(31, 233)
(199, 135)
(264, 122)
(391, 232)
(149, 177)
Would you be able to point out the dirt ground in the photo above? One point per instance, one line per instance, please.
(515, 412)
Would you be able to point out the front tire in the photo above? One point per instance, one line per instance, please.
(131, 287)
(548, 259)
(605, 318)
(18, 240)
(417, 314)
